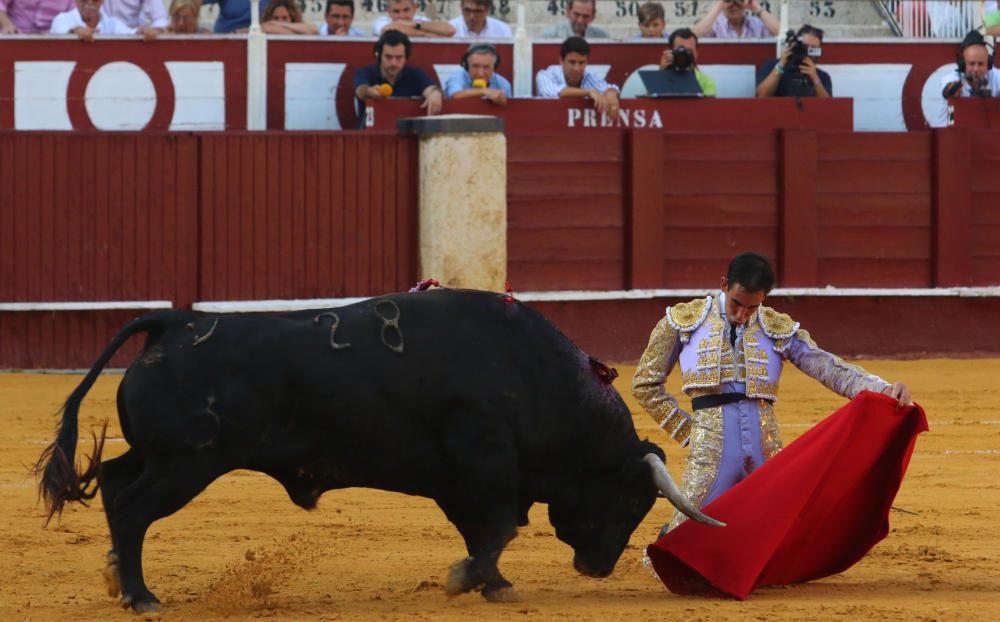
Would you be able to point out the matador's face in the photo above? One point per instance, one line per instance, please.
(740, 303)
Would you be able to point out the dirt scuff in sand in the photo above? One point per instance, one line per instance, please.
(243, 551)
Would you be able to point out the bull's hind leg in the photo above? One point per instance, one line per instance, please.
(116, 475)
(163, 488)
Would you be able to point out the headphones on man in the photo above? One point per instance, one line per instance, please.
(973, 38)
(480, 48)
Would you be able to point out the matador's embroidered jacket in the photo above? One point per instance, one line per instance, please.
(728, 442)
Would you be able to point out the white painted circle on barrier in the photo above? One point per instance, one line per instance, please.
(931, 101)
(120, 96)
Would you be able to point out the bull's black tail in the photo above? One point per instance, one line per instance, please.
(60, 482)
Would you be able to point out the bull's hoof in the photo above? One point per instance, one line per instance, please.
(458, 578)
(112, 579)
(148, 604)
(502, 595)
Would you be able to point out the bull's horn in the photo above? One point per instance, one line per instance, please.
(663, 481)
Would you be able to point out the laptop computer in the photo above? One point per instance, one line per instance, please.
(666, 83)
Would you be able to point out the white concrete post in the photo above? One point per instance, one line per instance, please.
(782, 26)
(256, 72)
(463, 200)
(523, 76)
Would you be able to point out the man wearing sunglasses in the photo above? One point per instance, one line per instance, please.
(475, 22)
(728, 19)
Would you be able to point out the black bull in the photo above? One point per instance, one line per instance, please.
(468, 398)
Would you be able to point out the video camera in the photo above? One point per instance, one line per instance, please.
(799, 50)
(683, 59)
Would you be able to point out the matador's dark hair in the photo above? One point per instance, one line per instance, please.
(752, 271)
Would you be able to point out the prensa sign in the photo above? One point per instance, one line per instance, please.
(626, 117)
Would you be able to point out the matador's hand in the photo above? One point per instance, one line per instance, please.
(900, 392)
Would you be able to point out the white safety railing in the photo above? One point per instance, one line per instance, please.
(947, 19)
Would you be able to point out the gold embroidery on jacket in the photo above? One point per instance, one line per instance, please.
(709, 355)
(756, 361)
(776, 325)
(770, 438)
(688, 316)
(704, 458)
(648, 383)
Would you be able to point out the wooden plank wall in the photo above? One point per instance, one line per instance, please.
(92, 218)
(720, 195)
(98, 217)
(984, 216)
(566, 211)
(831, 208)
(307, 216)
(180, 217)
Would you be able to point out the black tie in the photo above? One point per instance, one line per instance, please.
(732, 335)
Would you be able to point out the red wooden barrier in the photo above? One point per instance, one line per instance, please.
(984, 215)
(307, 215)
(98, 217)
(672, 115)
(873, 210)
(566, 211)
(180, 217)
(977, 113)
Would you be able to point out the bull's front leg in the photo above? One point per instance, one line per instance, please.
(481, 500)
(479, 571)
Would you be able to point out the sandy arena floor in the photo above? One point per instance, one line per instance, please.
(242, 550)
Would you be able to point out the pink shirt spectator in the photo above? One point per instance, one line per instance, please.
(35, 16)
(753, 28)
(136, 13)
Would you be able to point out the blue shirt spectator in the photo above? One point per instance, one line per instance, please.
(461, 80)
(233, 14)
(411, 82)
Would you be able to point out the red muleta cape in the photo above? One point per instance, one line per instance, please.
(813, 510)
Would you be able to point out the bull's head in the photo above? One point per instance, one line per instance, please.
(598, 518)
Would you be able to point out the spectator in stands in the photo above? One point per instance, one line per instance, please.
(652, 21)
(973, 77)
(184, 17)
(992, 22)
(579, 15)
(284, 17)
(478, 77)
(571, 78)
(86, 20)
(728, 19)
(475, 22)
(147, 17)
(339, 20)
(30, 16)
(402, 15)
(685, 38)
(390, 76)
(233, 14)
(795, 73)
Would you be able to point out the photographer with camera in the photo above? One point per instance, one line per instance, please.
(974, 75)
(795, 74)
(682, 55)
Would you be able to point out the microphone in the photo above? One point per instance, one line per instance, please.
(952, 89)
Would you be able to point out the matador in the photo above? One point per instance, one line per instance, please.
(731, 349)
